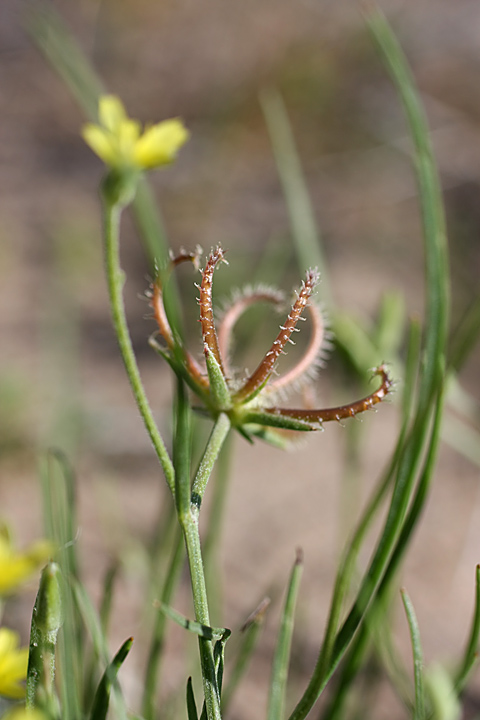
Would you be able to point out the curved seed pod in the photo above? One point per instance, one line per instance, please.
(210, 342)
(341, 412)
(256, 381)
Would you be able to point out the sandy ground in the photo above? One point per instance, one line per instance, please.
(206, 62)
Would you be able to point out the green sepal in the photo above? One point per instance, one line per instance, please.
(278, 421)
(119, 186)
(205, 631)
(272, 437)
(218, 385)
(102, 696)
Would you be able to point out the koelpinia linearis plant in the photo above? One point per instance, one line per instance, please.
(247, 405)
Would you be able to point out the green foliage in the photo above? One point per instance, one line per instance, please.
(71, 672)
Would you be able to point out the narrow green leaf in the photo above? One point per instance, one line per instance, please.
(304, 227)
(92, 623)
(281, 660)
(251, 633)
(389, 330)
(191, 705)
(59, 507)
(465, 336)
(433, 217)
(204, 631)
(65, 55)
(419, 710)
(431, 375)
(155, 655)
(102, 696)
(470, 658)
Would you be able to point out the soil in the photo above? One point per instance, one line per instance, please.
(62, 383)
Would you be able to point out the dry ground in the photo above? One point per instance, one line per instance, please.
(206, 62)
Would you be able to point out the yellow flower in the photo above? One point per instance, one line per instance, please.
(23, 713)
(13, 665)
(16, 567)
(120, 143)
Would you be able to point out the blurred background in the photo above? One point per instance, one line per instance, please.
(61, 379)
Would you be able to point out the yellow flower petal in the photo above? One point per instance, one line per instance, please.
(22, 713)
(127, 135)
(13, 665)
(16, 567)
(111, 112)
(101, 142)
(160, 143)
(119, 142)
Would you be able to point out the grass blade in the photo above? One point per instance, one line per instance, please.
(431, 373)
(158, 635)
(59, 508)
(281, 660)
(305, 231)
(92, 623)
(102, 696)
(65, 55)
(471, 653)
(419, 710)
(251, 632)
(191, 704)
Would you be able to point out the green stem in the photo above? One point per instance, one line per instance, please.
(115, 280)
(194, 553)
(188, 506)
(217, 438)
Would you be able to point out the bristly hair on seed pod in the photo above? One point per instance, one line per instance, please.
(267, 367)
(231, 312)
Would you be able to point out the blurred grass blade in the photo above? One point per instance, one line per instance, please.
(89, 680)
(419, 710)
(346, 568)
(305, 231)
(431, 374)
(158, 633)
(107, 597)
(59, 509)
(430, 197)
(465, 336)
(281, 660)
(150, 224)
(358, 648)
(92, 623)
(102, 696)
(65, 56)
(191, 705)
(470, 658)
(251, 633)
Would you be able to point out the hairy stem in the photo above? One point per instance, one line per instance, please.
(115, 281)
